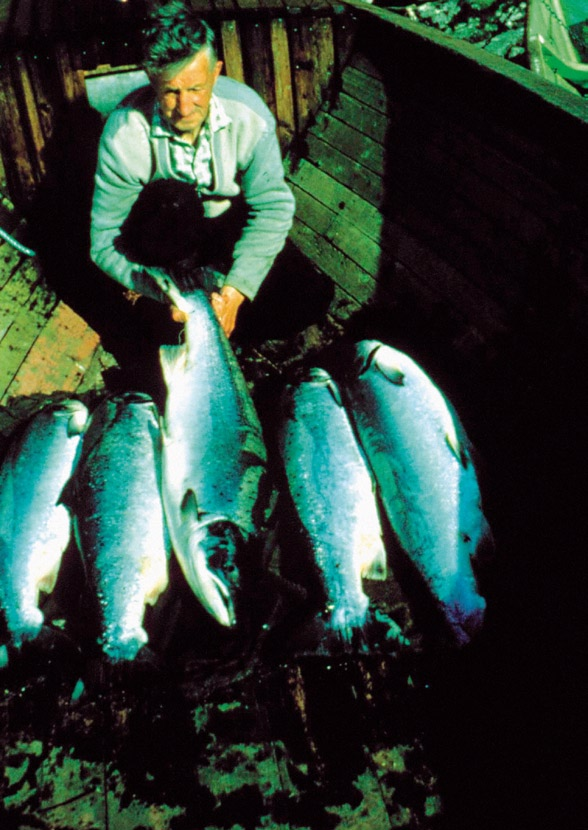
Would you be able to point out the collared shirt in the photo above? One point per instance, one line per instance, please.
(192, 162)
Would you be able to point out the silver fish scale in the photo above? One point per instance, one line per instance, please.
(426, 478)
(34, 527)
(119, 519)
(333, 494)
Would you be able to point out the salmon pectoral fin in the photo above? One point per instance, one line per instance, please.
(172, 360)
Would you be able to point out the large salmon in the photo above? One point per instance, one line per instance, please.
(419, 455)
(214, 460)
(334, 498)
(34, 526)
(119, 521)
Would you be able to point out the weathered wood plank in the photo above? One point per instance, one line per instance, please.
(59, 356)
(324, 49)
(304, 58)
(259, 71)
(337, 196)
(349, 141)
(232, 51)
(376, 244)
(370, 91)
(349, 276)
(21, 171)
(361, 180)
(70, 74)
(40, 70)
(345, 235)
(366, 120)
(16, 291)
(29, 111)
(285, 112)
(10, 261)
(19, 337)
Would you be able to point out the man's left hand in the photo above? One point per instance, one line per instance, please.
(226, 304)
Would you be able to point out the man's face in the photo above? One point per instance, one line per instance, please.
(184, 94)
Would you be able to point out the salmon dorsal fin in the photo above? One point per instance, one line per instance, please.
(391, 373)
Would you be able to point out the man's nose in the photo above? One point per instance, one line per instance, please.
(185, 103)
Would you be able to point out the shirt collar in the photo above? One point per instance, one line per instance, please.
(217, 119)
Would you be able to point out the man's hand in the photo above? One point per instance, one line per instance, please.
(177, 315)
(226, 304)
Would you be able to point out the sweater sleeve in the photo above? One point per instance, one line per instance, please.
(124, 168)
(270, 212)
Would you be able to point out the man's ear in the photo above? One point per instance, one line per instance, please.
(218, 69)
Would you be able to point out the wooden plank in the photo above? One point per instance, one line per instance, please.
(59, 357)
(360, 231)
(476, 242)
(70, 74)
(338, 197)
(10, 261)
(285, 112)
(345, 235)
(364, 119)
(325, 52)
(344, 30)
(16, 290)
(40, 72)
(306, 83)
(349, 141)
(472, 233)
(363, 63)
(30, 112)
(20, 336)
(258, 59)
(349, 276)
(370, 91)
(343, 169)
(232, 52)
(20, 168)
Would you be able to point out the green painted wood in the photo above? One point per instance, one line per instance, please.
(370, 122)
(349, 141)
(356, 282)
(26, 325)
(345, 170)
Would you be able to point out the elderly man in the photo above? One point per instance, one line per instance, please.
(199, 128)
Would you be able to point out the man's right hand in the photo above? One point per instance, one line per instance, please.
(177, 315)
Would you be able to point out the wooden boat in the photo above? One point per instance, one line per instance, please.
(443, 192)
(557, 42)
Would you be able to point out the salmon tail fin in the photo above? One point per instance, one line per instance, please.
(377, 567)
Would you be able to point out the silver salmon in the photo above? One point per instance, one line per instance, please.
(420, 457)
(35, 527)
(333, 494)
(119, 521)
(214, 460)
